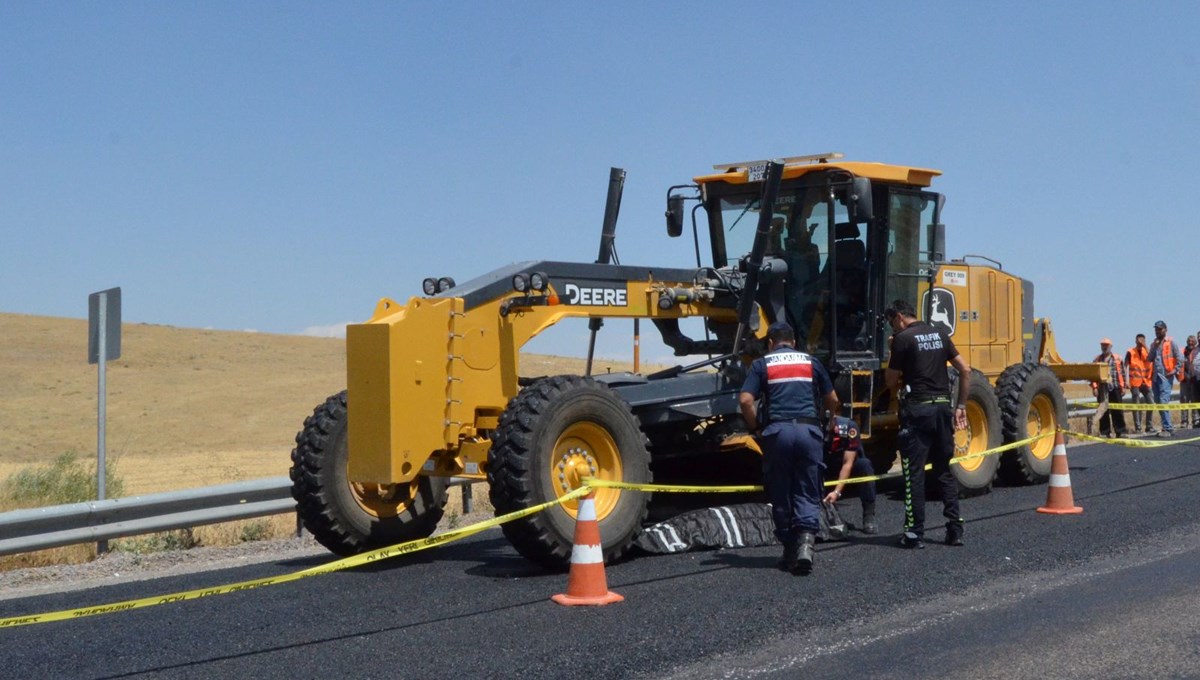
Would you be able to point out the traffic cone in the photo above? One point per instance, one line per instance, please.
(586, 584)
(1059, 499)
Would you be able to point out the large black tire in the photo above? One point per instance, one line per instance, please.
(1031, 403)
(983, 432)
(554, 433)
(352, 518)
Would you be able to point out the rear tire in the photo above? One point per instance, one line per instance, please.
(352, 518)
(983, 432)
(553, 434)
(1031, 404)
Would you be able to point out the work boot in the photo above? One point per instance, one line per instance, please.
(1150, 429)
(911, 541)
(791, 553)
(868, 523)
(804, 561)
(954, 533)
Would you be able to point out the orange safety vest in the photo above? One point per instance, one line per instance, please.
(1167, 350)
(1140, 368)
(1113, 364)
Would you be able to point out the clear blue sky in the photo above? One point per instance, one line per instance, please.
(281, 166)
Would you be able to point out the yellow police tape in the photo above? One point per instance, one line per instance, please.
(674, 488)
(1144, 407)
(337, 565)
(667, 488)
(1133, 443)
(456, 534)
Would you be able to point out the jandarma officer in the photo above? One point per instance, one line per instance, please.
(790, 382)
(844, 456)
(927, 423)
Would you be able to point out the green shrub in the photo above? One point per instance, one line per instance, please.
(66, 480)
(182, 539)
(257, 530)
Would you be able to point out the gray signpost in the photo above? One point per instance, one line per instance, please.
(104, 345)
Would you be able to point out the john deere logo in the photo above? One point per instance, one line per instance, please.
(592, 294)
(942, 313)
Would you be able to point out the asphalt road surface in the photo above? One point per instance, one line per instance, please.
(1110, 593)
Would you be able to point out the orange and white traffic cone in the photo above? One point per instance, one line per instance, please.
(1059, 499)
(586, 584)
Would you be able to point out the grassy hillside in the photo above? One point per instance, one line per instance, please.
(186, 407)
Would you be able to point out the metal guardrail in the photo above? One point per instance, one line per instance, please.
(89, 522)
(59, 525)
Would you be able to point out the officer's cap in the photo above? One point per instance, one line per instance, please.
(780, 327)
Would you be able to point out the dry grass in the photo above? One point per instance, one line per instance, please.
(186, 408)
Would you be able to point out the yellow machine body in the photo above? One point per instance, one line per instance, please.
(434, 385)
(428, 380)
(991, 323)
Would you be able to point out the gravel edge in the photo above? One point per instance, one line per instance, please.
(123, 567)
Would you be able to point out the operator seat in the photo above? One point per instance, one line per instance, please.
(850, 254)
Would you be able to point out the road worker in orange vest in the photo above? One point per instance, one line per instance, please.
(1189, 388)
(1168, 367)
(1112, 391)
(1137, 361)
(1193, 367)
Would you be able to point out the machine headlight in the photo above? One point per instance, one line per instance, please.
(429, 286)
(520, 283)
(445, 283)
(539, 281)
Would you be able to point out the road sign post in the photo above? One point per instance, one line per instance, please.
(104, 345)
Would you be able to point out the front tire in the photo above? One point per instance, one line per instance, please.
(555, 433)
(1031, 404)
(349, 518)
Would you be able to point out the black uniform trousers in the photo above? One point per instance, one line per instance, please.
(1113, 421)
(927, 435)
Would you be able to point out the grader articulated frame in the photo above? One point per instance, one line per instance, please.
(435, 390)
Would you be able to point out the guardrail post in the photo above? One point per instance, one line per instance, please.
(467, 495)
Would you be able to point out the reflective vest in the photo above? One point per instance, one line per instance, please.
(1167, 351)
(1140, 368)
(1114, 366)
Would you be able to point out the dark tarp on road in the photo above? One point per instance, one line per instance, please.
(746, 525)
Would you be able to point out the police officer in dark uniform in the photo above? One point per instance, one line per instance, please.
(790, 383)
(844, 458)
(927, 423)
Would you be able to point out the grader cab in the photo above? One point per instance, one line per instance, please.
(434, 386)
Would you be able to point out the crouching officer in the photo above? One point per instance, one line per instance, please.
(919, 356)
(844, 458)
(790, 382)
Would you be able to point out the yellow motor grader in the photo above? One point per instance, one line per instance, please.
(435, 389)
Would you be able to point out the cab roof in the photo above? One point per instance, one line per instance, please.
(798, 166)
